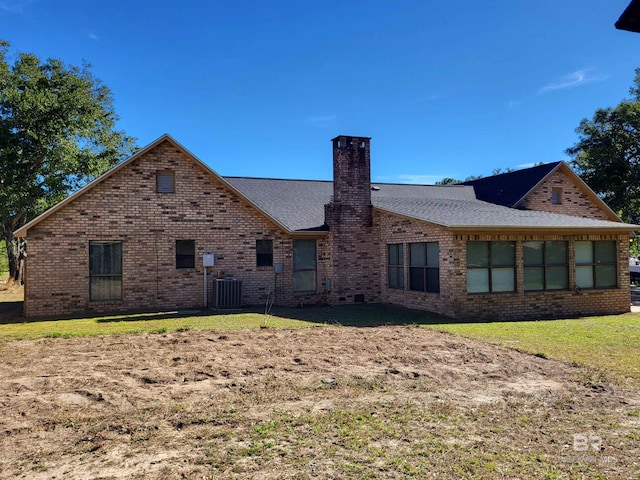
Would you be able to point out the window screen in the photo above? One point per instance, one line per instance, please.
(264, 253)
(304, 265)
(105, 270)
(185, 254)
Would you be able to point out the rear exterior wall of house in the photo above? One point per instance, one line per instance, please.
(453, 299)
(125, 207)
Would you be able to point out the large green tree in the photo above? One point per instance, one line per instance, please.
(57, 133)
(607, 154)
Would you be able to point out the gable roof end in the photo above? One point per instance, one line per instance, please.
(511, 188)
(22, 231)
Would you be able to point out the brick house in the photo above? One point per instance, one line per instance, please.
(135, 238)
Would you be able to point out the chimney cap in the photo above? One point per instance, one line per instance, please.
(350, 136)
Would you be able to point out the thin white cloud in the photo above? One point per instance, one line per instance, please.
(15, 6)
(418, 179)
(321, 121)
(514, 103)
(526, 165)
(573, 79)
(93, 36)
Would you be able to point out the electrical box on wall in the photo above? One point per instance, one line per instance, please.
(277, 268)
(208, 260)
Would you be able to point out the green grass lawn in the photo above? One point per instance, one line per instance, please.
(608, 344)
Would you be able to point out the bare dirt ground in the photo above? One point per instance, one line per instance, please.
(324, 402)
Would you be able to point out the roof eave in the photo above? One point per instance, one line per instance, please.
(309, 234)
(539, 229)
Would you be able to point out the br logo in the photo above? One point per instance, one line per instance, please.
(581, 442)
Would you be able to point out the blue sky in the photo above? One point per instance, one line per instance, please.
(258, 88)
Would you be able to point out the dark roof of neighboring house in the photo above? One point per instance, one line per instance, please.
(299, 205)
(630, 18)
(509, 189)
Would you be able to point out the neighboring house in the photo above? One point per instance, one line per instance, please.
(135, 238)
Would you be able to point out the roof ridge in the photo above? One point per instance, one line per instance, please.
(518, 171)
(277, 179)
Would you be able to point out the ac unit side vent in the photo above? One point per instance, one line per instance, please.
(227, 293)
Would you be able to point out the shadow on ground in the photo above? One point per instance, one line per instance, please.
(11, 311)
(365, 315)
(369, 315)
(361, 315)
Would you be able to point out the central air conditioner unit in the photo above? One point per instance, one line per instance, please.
(227, 293)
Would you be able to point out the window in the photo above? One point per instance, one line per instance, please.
(185, 254)
(596, 264)
(395, 262)
(556, 195)
(105, 271)
(264, 253)
(491, 267)
(424, 267)
(545, 265)
(304, 265)
(165, 181)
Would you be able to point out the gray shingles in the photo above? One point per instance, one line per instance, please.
(299, 205)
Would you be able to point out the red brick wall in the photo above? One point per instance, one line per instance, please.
(126, 207)
(574, 201)
(395, 229)
(549, 304)
(453, 299)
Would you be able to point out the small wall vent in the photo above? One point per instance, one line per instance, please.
(227, 293)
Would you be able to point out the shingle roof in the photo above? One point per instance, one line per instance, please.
(299, 205)
(296, 204)
(478, 214)
(509, 189)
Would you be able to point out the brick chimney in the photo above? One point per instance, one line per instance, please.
(355, 257)
(352, 178)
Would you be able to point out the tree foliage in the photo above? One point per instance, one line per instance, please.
(448, 181)
(57, 133)
(607, 154)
